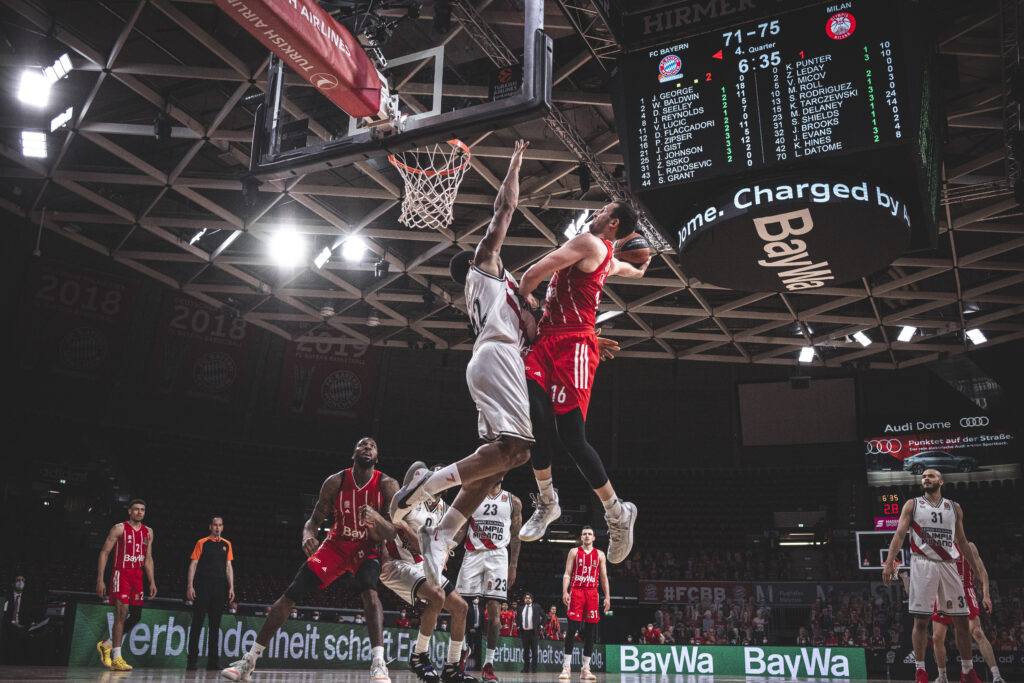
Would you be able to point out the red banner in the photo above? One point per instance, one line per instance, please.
(201, 352)
(315, 46)
(75, 320)
(685, 592)
(335, 380)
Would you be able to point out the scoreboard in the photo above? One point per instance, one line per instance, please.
(812, 83)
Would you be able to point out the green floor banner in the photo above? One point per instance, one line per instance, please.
(724, 660)
(509, 655)
(161, 640)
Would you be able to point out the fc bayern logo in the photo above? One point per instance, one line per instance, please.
(840, 26)
(670, 66)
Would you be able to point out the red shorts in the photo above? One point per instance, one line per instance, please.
(972, 606)
(564, 365)
(583, 605)
(333, 558)
(126, 586)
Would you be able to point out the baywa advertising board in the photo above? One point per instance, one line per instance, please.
(725, 660)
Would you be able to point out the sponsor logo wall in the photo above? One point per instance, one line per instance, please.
(788, 662)
(775, 594)
(685, 592)
(322, 380)
(509, 655)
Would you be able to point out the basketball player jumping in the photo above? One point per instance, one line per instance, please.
(355, 496)
(403, 574)
(489, 566)
(132, 556)
(583, 567)
(940, 622)
(562, 364)
(937, 540)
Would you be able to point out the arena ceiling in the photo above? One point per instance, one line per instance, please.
(112, 188)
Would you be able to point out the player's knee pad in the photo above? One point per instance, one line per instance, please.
(303, 583)
(368, 574)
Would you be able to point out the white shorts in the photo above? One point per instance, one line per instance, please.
(936, 586)
(484, 574)
(405, 578)
(496, 378)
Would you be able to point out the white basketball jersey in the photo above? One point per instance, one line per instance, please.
(494, 308)
(400, 548)
(490, 526)
(933, 530)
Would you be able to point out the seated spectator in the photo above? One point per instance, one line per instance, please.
(802, 638)
(402, 620)
(652, 636)
(877, 640)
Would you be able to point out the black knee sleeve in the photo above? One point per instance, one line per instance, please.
(302, 585)
(368, 574)
(572, 431)
(544, 430)
(571, 629)
(588, 639)
(133, 618)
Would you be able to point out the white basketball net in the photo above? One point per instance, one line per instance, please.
(432, 177)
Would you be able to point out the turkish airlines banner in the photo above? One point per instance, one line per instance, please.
(685, 592)
(315, 46)
(200, 352)
(74, 320)
(330, 380)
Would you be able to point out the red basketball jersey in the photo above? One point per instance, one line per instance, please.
(347, 525)
(963, 568)
(130, 551)
(572, 298)
(587, 568)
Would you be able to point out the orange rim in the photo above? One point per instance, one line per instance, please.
(431, 172)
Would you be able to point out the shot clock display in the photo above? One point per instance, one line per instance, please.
(889, 503)
(819, 81)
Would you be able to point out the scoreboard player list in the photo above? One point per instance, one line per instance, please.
(820, 81)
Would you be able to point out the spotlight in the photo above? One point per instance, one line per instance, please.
(322, 257)
(976, 336)
(907, 333)
(373, 319)
(33, 144)
(196, 237)
(287, 248)
(575, 226)
(806, 354)
(58, 70)
(353, 249)
(58, 121)
(34, 88)
(607, 315)
(862, 339)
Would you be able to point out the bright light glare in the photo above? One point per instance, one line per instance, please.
(353, 249)
(60, 119)
(976, 336)
(59, 69)
(322, 257)
(907, 333)
(607, 315)
(287, 248)
(806, 354)
(34, 89)
(576, 226)
(862, 338)
(33, 144)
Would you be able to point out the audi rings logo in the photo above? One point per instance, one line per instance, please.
(981, 421)
(879, 446)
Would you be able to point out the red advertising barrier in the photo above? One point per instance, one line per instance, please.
(685, 592)
(200, 353)
(74, 320)
(315, 46)
(328, 380)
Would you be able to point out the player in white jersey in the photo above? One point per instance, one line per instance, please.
(489, 565)
(937, 538)
(403, 574)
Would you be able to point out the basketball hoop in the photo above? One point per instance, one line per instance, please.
(432, 177)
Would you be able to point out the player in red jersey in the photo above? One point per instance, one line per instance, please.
(583, 567)
(355, 497)
(133, 555)
(562, 364)
(941, 622)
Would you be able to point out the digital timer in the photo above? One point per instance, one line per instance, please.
(888, 503)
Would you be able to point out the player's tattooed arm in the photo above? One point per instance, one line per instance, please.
(486, 256)
(514, 543)
(321, 511)
(889, 568)
(385, 529)
(148, 566)
(101, 565)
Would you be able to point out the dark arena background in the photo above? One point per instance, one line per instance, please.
(217, 283)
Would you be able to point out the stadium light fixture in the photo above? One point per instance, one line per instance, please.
(607, 315)
(287, 248)
(61, 119)
(353, 249)
(322, 257)
(34, 88)
(58, 70)
(907, 333)
(806, 354)
(33, 144)
(976, 336)
(196, 237)
(575, 227)
(862, 339)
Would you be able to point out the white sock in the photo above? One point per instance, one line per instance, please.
(454, 651)
(546, 487)
(378, 653)
(995, 673)
(942, 671)
(116, 653)
(489, 656)
(919, 663)
(108, 642)
(452, 521)
(442, 480)
(966, 666)
(586, 662)
(256, 651)
(566, 659)
(422, 643)
(612, 508)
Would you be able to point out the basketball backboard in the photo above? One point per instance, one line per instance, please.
(873, 548)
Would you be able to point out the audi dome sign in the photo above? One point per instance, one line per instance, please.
(961, 447)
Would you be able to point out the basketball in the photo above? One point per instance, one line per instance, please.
(634, 248)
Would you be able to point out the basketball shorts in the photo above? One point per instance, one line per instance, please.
(404, 578)
(584, 605)
(972, 606)
(125, 586)
(564, 365)
(334, 558)
(936, 586)
(484, 574)
(498, 387)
